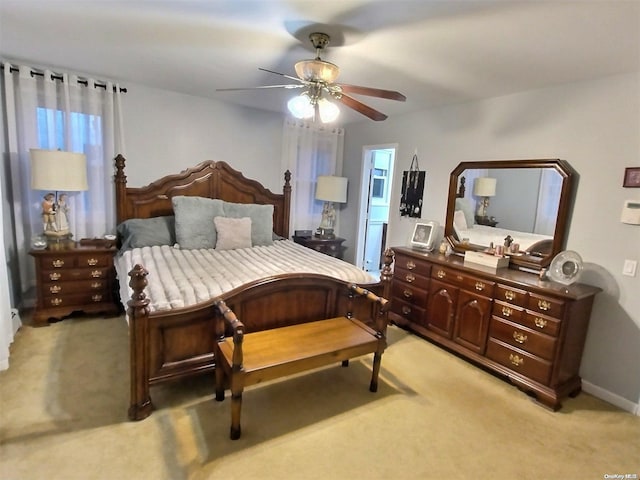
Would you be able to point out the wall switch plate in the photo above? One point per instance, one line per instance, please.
(629, 268)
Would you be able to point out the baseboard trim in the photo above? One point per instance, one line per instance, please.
(611, 398)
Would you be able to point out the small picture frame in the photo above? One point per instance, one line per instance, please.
(423, 235)
(631, 177)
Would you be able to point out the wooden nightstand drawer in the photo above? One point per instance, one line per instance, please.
(74, 274)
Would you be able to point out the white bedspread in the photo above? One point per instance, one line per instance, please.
(180, 278)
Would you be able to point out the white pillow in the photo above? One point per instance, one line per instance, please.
(459, 220)
(232, 233)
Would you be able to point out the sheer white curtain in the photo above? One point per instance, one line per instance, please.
(59, 111)
(310, 150)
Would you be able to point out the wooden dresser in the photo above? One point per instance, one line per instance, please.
(71, 277)
(529, 330)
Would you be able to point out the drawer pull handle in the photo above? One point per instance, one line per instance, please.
(409, 277)
(441, 274)
(96, 274)
(96, 298)
(56, 301)
(54, 276)
(92, 262)
(540, 322)
(55, 289)
(516, 360)
(509, 295)
(506, 311)
(544, 305)
(480, 286)
(57, 263)
(407, 293)
(519, 337)
(411, 265)
(406, 310)
(96, 285)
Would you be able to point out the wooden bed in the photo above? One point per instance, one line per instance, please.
(167, 345)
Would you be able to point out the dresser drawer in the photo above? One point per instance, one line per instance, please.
(519, 361)
(546, 305)
(408, 311)
(507, 311)
(511, 295)
(410, 277)
(75, 274)
(541, 323)
(468, 282)
(409, 293)
(412, 265)
(520, 337)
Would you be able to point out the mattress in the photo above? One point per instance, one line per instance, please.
(181, 278)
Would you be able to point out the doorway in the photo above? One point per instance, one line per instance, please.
(377, 177)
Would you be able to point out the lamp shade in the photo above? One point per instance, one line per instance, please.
(58, 170)
(332, 189)
(484, 187)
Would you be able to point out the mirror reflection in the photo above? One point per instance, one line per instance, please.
(522, 203)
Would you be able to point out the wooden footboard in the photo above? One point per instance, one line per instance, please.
(182, 343)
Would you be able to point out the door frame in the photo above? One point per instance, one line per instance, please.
(365, 175)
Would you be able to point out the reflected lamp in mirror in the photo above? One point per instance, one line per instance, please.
(330, 189)
(484, 187)
(57, 172)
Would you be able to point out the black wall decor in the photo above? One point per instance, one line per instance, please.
(412, 190)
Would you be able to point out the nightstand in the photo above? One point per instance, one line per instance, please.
(329, 246)
(72, 277)
(488, 221)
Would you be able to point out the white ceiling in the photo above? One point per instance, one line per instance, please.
(434, 52)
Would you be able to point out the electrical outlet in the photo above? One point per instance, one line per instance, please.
(629, 268)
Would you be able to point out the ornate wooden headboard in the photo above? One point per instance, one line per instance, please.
(208, 179)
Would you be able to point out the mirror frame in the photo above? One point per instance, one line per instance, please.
(523, 262)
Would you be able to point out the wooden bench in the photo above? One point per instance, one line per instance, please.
(247, 359)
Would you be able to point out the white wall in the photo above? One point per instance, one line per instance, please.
(167, 131)
(595, 126)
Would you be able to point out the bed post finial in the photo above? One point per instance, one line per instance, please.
(286, 190)
(387, 273)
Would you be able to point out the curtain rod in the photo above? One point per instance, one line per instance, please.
(61, 78)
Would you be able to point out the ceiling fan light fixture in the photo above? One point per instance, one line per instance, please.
(317, 70)
(300, 106)
(329, 111)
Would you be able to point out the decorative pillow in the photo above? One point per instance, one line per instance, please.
(194, 221)
(459, 220)
(464, 205)
(147, 232)
(261, 220)
(232, 233)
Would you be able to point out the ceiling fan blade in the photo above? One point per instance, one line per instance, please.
(361, 108)
(283, 75)
(373, 92)
(288, 86)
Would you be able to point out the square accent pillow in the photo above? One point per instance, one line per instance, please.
(146, 232)
(232, 233)
(194, 221)
(464, 205)
(261, 220)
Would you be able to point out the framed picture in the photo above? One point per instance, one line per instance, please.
(631, 177)
(424, 235)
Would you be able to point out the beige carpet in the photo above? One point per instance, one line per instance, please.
(64, 400)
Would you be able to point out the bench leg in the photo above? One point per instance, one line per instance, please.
(236, 405)
(219, 382)
(377, 358)
(345, 363)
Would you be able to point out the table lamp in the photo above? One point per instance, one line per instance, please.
(56, 171)
(331, 190)
(484, 187)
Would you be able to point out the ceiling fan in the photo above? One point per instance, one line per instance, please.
(318, 78)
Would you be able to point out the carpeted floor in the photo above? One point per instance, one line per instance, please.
(64, 399)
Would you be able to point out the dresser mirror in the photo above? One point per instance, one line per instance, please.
(528, 201)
